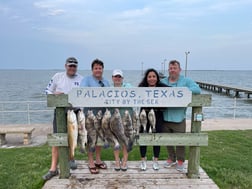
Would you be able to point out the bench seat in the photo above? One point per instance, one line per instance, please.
(27, 131)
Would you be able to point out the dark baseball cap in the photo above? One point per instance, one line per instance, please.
(71, 61)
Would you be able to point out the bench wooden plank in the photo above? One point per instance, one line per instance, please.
(173, 139)
(57, 139)
(152, 139)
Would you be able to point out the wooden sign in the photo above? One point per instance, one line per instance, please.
(130, 97)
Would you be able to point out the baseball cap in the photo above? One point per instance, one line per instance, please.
(71, 61)
(117, 72)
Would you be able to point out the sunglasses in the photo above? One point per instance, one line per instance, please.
(72, 61)
(72, 66)
(117, 76)
(101, 84)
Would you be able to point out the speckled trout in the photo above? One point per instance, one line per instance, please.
(82, 131)
(72, 132)
(98, 127)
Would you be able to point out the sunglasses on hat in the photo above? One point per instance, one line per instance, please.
(72, 66)
(72, 61)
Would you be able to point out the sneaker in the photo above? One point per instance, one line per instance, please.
(169, 163)
(117, 166)
(124, 165)
(180, 166)
(143, 165)
(72, 164)
(155, 165)
(50, 175)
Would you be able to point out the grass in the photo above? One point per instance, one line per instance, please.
(227, 160)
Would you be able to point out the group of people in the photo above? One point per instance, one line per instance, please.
(168, 120)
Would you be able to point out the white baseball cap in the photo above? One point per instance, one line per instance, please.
(117, 72)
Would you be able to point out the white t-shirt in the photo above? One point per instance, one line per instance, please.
(61, 82)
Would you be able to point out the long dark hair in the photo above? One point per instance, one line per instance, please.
(144, 82)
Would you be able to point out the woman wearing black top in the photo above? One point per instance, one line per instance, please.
(151, 79)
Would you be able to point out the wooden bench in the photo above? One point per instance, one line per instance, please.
(27, 131)
(194, 139)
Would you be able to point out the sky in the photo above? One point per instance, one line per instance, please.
(130, 35)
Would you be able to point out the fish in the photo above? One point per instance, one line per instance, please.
(128, 128)
(135, 123)
(91, 131)
(152, 121)
(82, 131)
(72, 132)
(143, 120)
(108, 135)
(98, 127)
(117, 128)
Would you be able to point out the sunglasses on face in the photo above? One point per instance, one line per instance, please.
(72, 66)
(117, 76)
(101, 84)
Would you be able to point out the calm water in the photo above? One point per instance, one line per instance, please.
(28, 85)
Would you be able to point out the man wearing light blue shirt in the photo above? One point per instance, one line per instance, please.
(95, 80)
(175, 118)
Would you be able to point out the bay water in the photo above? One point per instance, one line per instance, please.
(22, 91)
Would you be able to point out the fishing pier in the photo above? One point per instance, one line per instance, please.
(228, 90)
(193, 177)
(133, 178)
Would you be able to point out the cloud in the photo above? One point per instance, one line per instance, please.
(50, 7)
(42, 5)
(228, 5)
(135, 13)
(56, 12)
(4, 9)
(47, 4)
(69, 36)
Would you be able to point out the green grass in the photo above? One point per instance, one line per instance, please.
(227, 160)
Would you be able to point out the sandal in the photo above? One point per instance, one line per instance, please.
(93, 170)
(50, 175)
(101, 165)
